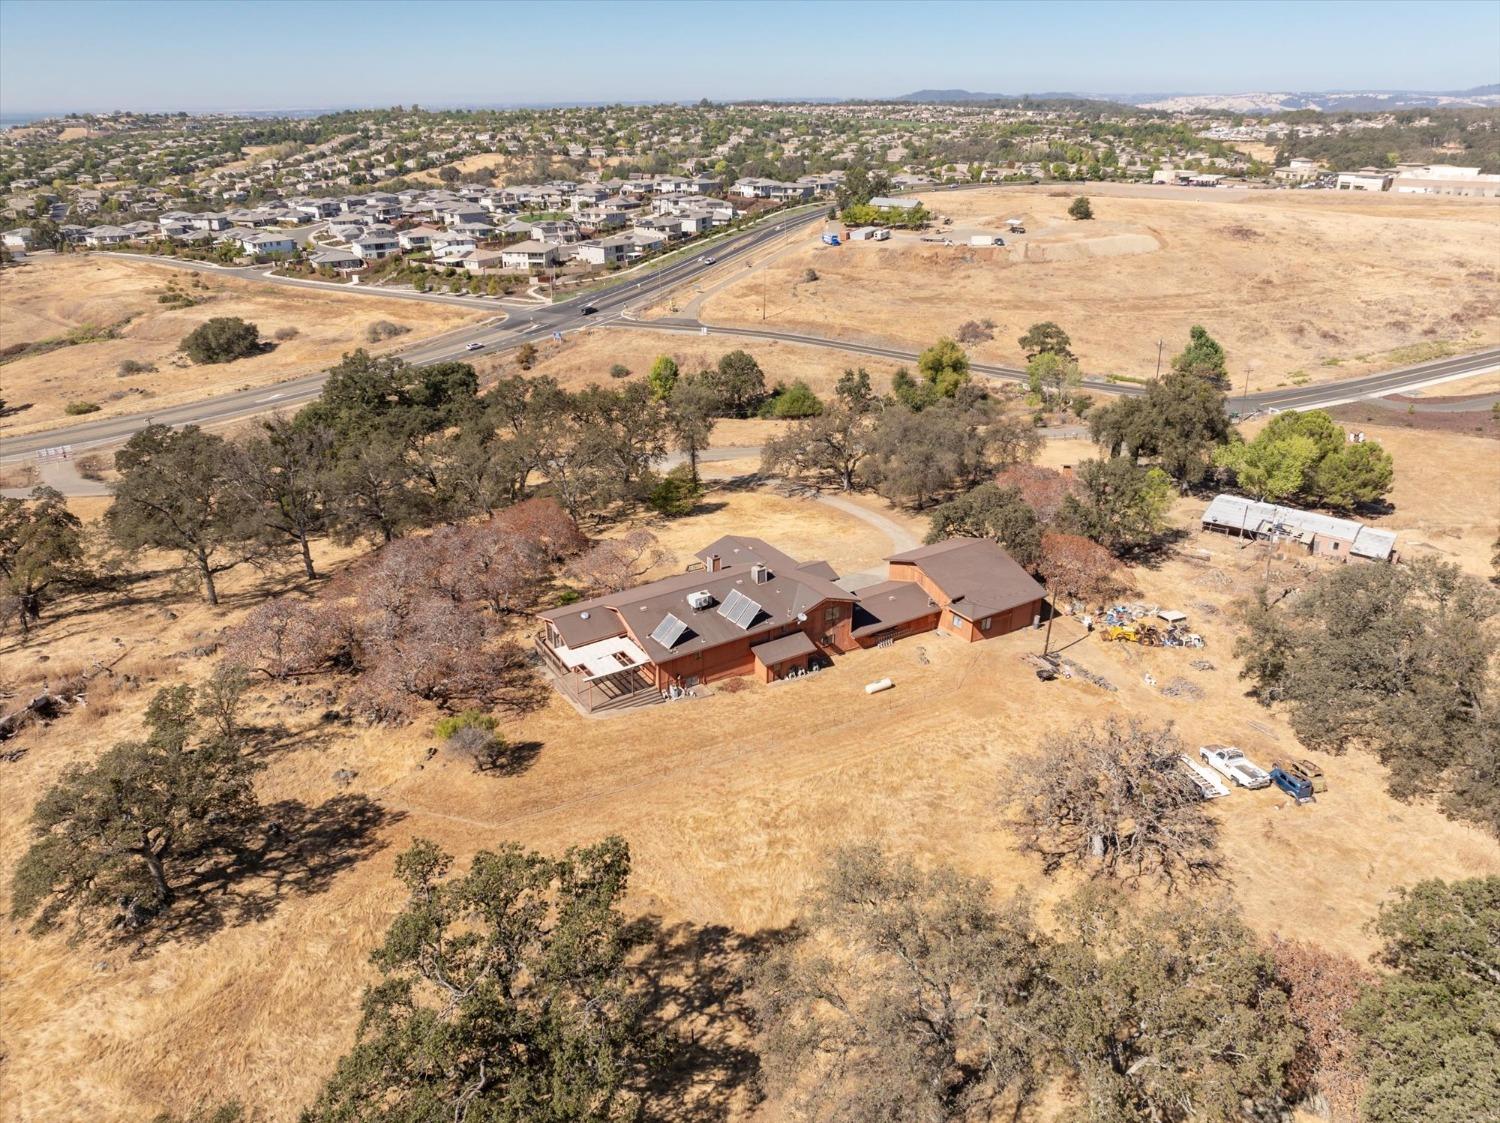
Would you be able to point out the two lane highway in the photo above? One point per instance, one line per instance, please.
(599, 306)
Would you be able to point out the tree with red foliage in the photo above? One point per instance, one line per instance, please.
(617, 563)
(1322, 988)
(1042, 489)
(288, 638)
(421, 620)
(1075, 566)
(543, 523)
(442, 653)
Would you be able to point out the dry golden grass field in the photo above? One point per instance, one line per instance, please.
(728, 802)
(588, 355)
(1298, 286)
(51, 296)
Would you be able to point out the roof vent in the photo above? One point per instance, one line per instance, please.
(584, 615)
(759, 574)
(700, 600)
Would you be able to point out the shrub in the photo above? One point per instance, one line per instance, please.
(222, 339)
(446, 727)
(91, 467)
(619, 370)
(73, 409)
(797, 400)
(976, 331)
(677, 493)
(384, 329)
(283, 334)
(526, 355)
(810, 275)
(129, 367)
(1081, 208)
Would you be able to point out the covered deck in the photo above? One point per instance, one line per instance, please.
(610, 673)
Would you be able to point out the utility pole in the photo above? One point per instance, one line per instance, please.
(1160, 343)
(1051, 613)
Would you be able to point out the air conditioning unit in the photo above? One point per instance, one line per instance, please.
(700, 600)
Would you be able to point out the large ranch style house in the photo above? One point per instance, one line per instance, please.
(610, 223)
(746, 608)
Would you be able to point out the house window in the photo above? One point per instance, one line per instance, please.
(985, 623)
(955, 621)
(831, 615)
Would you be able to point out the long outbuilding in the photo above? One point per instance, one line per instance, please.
(1321, 535)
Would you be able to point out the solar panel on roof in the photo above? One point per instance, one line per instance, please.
(669, 631)
(739, 609)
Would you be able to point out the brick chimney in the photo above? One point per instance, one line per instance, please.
(713, 564)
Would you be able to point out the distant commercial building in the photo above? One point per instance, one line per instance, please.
(1444, 179)
(1299, 169)
(1366, 179)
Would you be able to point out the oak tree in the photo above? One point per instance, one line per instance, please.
(1114, 799)
(176, 492)
(504, 994)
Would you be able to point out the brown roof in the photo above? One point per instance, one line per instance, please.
(789, 592)
(787, 647)
(975, 574)
(889, 605)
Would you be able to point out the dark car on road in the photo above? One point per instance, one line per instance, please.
(587, 310)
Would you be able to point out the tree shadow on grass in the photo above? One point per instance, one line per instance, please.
(1160, 549)
(517, 758)
(696, 1001)
(303, 849)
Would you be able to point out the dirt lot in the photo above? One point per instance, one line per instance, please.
(1299, 286)
(587, 356)
(727, 801)
(505, 162)
(52, 296)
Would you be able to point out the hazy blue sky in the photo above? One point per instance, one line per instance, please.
(213, 54)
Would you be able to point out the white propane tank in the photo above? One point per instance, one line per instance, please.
(877, 687)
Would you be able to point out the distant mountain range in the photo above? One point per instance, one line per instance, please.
(1328, 101)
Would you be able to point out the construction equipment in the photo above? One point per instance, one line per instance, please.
(1143, 634)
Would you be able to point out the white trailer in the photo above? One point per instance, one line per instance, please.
(1208, 784)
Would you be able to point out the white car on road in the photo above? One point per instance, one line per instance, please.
(1229, 761)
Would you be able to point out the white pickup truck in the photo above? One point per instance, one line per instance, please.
(1229, 761)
